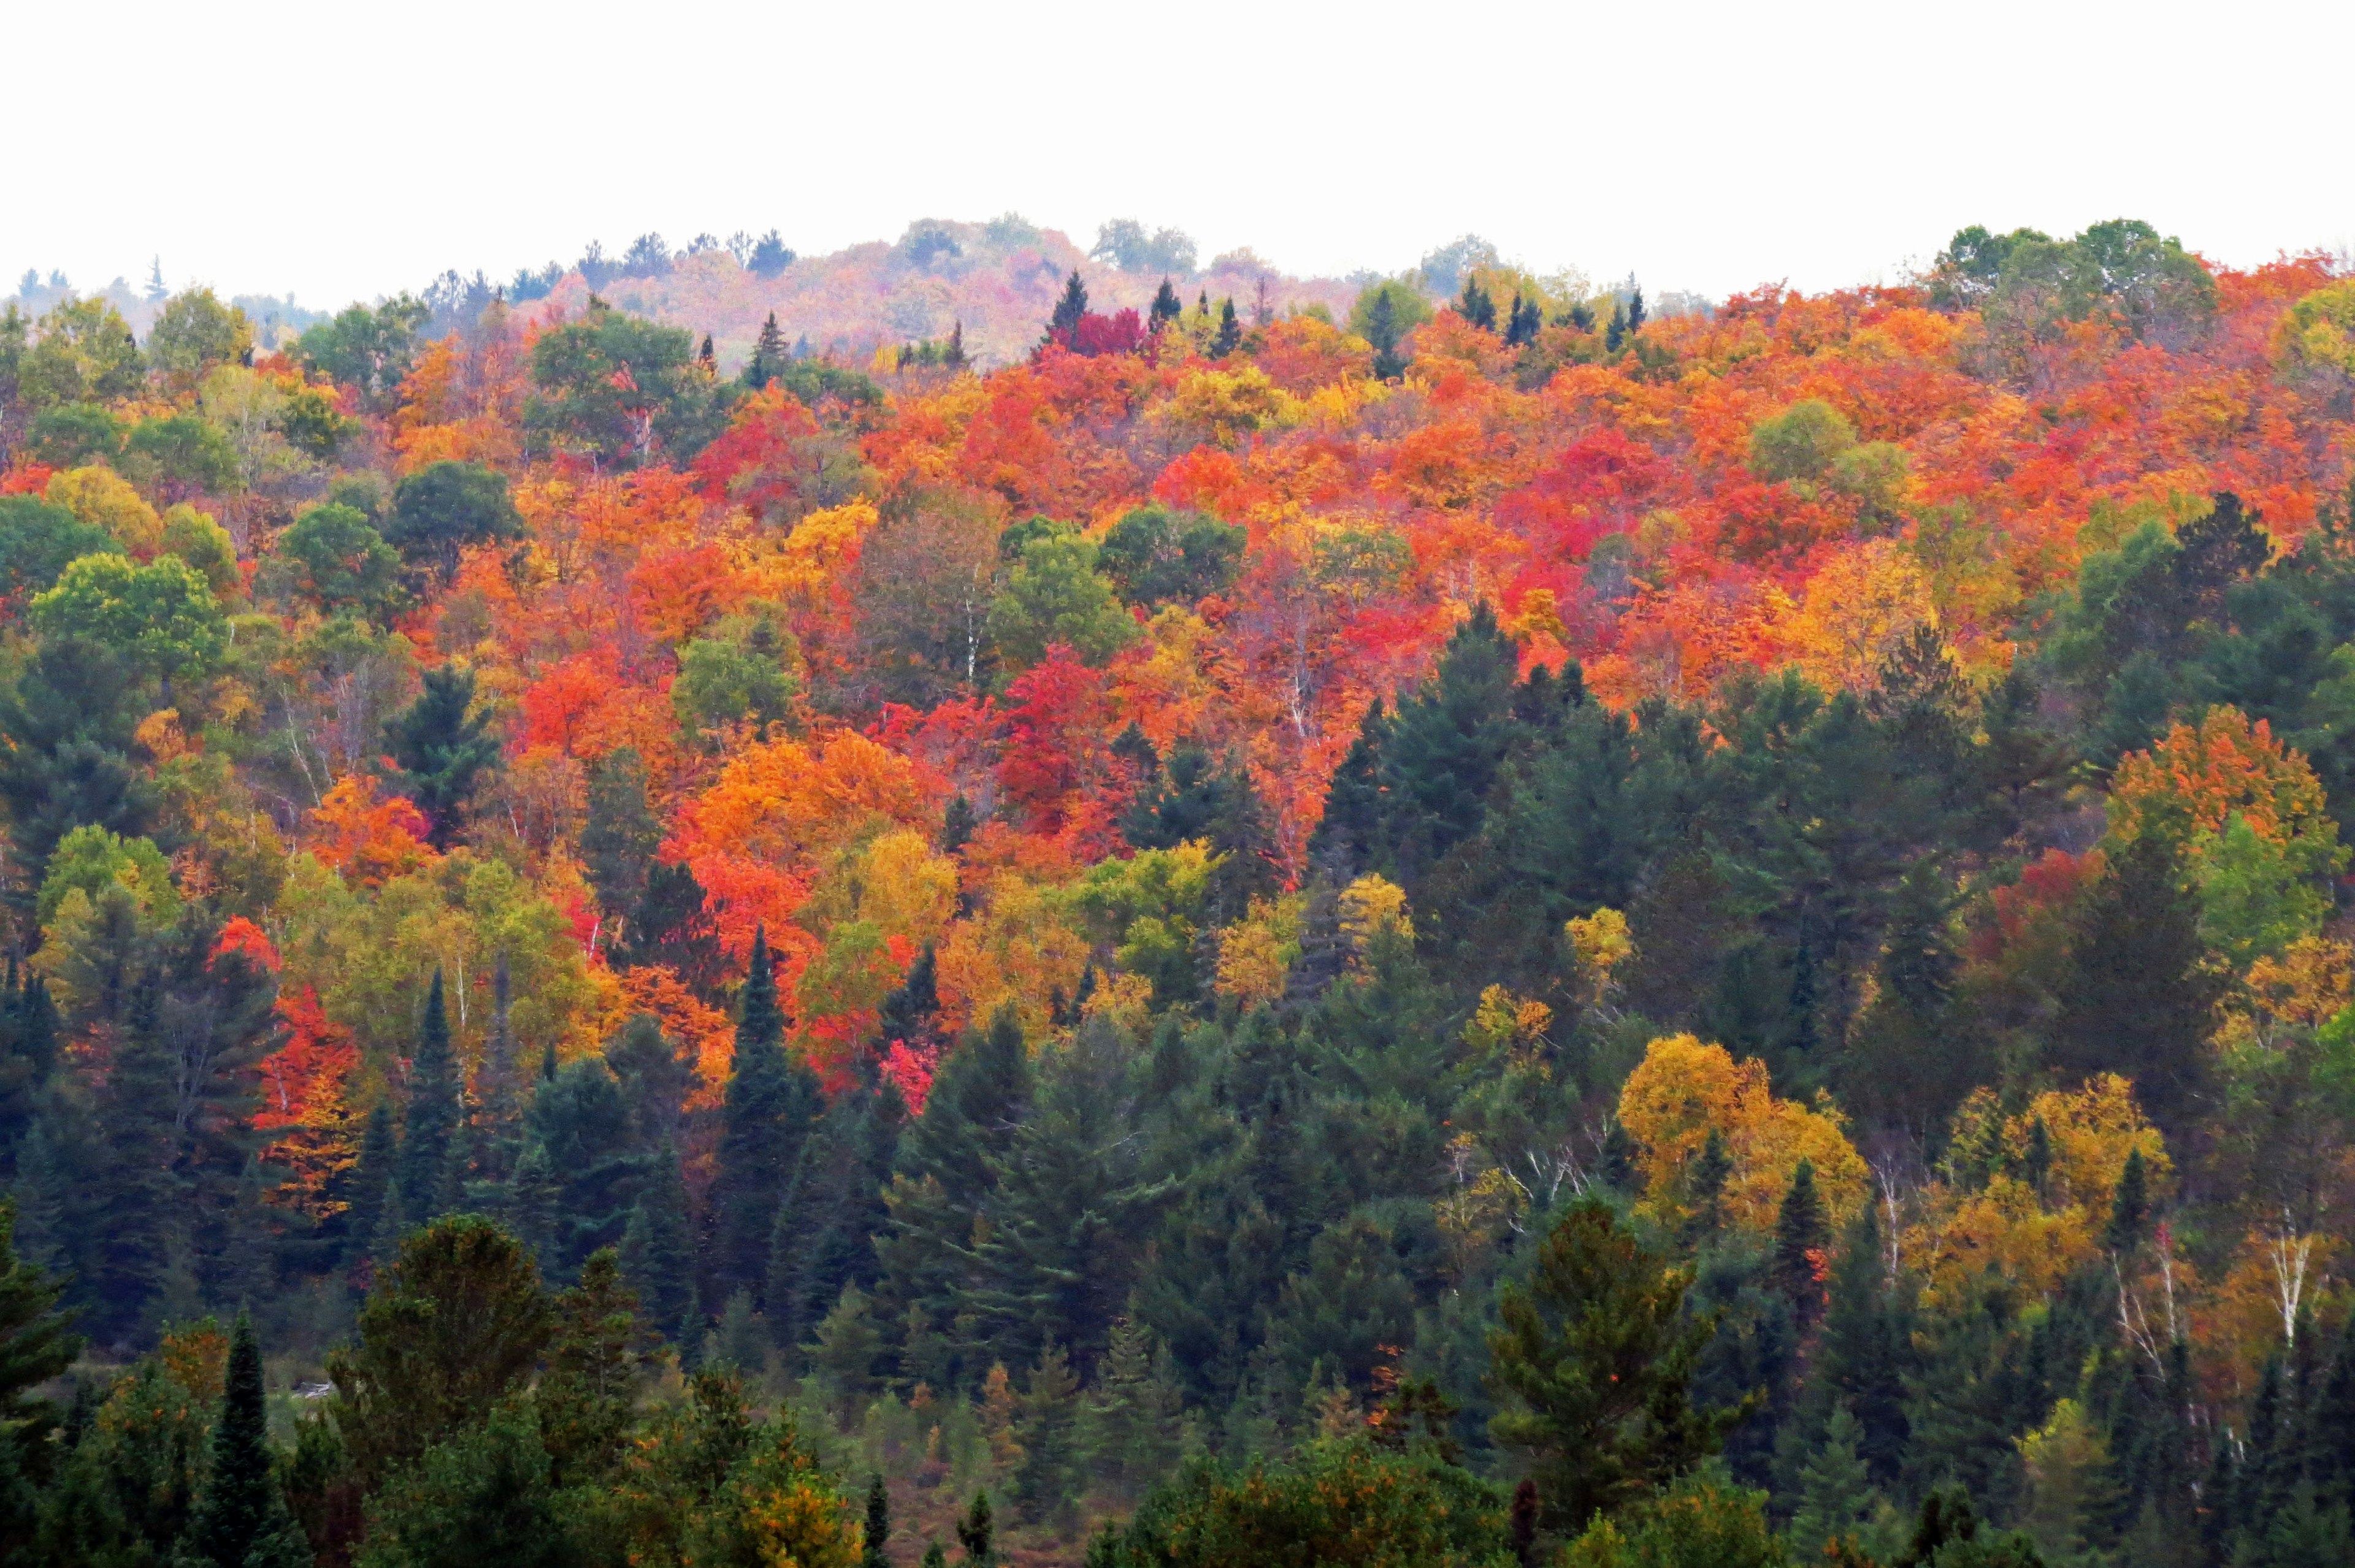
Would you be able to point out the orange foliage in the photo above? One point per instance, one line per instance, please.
(368, 840)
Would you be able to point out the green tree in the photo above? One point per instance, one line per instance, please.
(741, 671)
(1383, 315)
(622, 389)
(1592, 1365)
(242, 1520)
(181, 455)
(1155, 555)
(430, 1128)
(161, 617)
(659, 1253)
(334, 559)
(1700, 1523)
(83, 353)
(1056, 595)
(442, 747)
(38, 541)
(1801, 1243)
(1800, 442)
(1837, 1496)
(445, 507)
(875, 1541)
(770, 1101)
(454, 1322)
(480, 1495)
(587, 1395)
(35, 1346)
(370, 350)
(72, 434)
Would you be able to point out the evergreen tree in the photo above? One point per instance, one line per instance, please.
(1046, 1479)
(832, 1209)
(497, 1125)
(769, 356)
(911, 1010)
(953, 356)
(658, 1255)
(2129, 1207)
(67, 721)
(1166, 308)
(1836, 1491)
(428, 1142)
(1129, 1427)
(874, 1543)
(1705, 1188)
(771, 1101)
(1070, 311)
(531, 1203)
(2139, 997)
(957, 826)
(588, 1393)
(442, 749)
(371, 1175)
(1231, 331)
(1635, 312)
(1614, 334)
(977, 1533)
(1802, 1238)
(242, 1520)
(1476, 307)
(35, 1346)
(1592, 1364)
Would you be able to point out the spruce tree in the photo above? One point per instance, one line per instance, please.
(242, 1520)
(771, 1101)
(430, 1135)
(1802, 1235)
(658, 1255)
(442, 746)
(2129, 1207)
(769, 356)
(35, 1344)
(977, 1533)
(1070, 311)
(1836, 1490)
(1166, 308)
(2139, 999)
(1046, 1479)
(1476, 307)
(911, 1008)
(873, 1552)
(1231, 331)
(530, 1206)
(1636, 311)
(1614, 334)
(587, 1391)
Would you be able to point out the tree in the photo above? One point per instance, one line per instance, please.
(1802, 1238)
(771, 1101)
(335, 557)
(442, 748)
(1156, 557)
(872, 1550)
(39, 540)
(454, 1321)
(587, 1391)
(1231, 331)
(1699, 1524)
(370, 350)
(429, 1135)
(659, 1253)
(1055, 594)
(242, 1520)
(2139, 996)
(161, 618)
(622, 390)
(1070, 311)
(35, 1346)
(1478, 307)
(1166, 308)
(769, 256)
(1592, 1364)
(977, 1532)
(445, 507)
(480, 1495)
(1837, 1495)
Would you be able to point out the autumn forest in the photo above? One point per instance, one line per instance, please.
(966, 902)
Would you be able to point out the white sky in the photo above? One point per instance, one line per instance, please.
(351, 150)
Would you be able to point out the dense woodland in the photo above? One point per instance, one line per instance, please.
(1464, 923)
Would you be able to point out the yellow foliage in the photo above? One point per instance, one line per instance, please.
(2319, 330)
(1503, 1021)
(104, 499)
(1863, 603)
(782, 798)
(1255, 953)
(2002, 1228)
(1017, 949)
(1223, 406)
(1370, 906)
(1602, 943)
(1123, 999)
(814, 554)
(1684, 1088)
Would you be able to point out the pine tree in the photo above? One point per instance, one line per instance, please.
(1802, 1236)
(772, 1101)
(498, 1116)
(958, 825)
(531, 1203)
(911, 1009)
(1231, 331)
(1166, 308)
(35, 1345)
(1129, 1427)
(2129, 1207)
(1836, 1490)
(1614, 336)
(977, 1533)
(241, 1521)
(442, 746)
(1635, 312)
(427, 1140)
(873, 1552)
(953, 356)
(1046, 1481)
(769, 356)
(589, 1390)
(2139, 997)
(1705, 1188)
(658, 1255)
(1476, 307)
(1070, 311)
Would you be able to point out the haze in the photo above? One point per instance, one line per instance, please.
(349, 152)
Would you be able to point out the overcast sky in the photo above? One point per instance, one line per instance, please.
(352, 150)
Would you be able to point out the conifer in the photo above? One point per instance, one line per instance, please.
(434, 1109)
(873, 1552)
(1070, 311)
(242, 1520)
(1231, 331)
(1166, 308)
(1801, 1237)
(771, 1101)
(658, 1255)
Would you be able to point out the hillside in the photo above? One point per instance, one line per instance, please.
(1184, 891)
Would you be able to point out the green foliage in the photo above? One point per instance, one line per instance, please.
(1800, 442)
(90, 859)
(622, 389)
(38, 541)
(742, 670)
(1383, 313)
(1700, 1523)
(334, 559)
(1154, 556)
(369, 351)
(454, 1322)
(771, 1101)
(1337, 1502)
(180, 455)
(82, 352)
(242, 1520)
(442, 746)
(480, 1495)
(160, 617)
(1593, 1358)
(1055, 594)
(70, 435)
(195, 331)
(445, 507)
